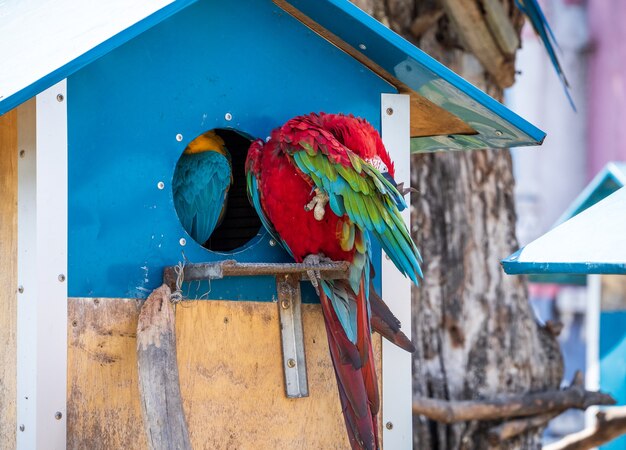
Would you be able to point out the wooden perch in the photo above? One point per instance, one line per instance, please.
(610, 424)
(553, 401)
(231, 268)
(159, 389)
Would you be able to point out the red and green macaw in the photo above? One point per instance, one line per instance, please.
(318, 188)
(201, 182)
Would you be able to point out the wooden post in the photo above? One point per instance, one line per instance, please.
(159, 388)
(8, 276)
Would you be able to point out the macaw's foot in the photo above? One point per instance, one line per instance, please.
(403, 191)
(317, 204)
(313, 274)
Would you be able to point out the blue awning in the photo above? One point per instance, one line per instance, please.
(592, 242)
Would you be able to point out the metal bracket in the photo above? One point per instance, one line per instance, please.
(288, 277)
(292, 335)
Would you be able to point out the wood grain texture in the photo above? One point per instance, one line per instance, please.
(103, 410)
(8, 276)
(230, 368)
(232, 380)
(161, 402)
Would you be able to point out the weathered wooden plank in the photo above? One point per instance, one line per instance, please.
(232, 379)
(8, 277)
(103, 410)
(161, 403)
(230, 368)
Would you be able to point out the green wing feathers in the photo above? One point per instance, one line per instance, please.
(357, 189)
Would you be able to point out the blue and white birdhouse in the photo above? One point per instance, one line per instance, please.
(98, 103)
(589, 242)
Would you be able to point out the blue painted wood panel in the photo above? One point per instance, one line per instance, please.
(247, 58)
(613, 362)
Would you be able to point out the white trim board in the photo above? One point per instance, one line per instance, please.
(397, 375)
(42, 271)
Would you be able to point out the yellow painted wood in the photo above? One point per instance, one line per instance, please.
(229, 359)
(8, 277)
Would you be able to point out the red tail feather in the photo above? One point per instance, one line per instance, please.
(364, 336)
(357, 383)
(385, 323)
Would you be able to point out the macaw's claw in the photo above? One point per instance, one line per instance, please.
(405, 190)
(317, 204)
(314, 274)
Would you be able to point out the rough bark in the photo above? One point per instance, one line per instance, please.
(475, 334)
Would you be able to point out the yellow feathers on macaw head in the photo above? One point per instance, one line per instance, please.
(206, 142)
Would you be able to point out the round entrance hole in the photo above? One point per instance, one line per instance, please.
(239, 222)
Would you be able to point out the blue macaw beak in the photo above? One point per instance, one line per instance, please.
(389, 178)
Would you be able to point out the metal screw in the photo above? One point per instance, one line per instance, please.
(96, 301)
(272, 243)
(20, 289)
(74, 323)
(228, 116)
(61, 278)
(58, 415)
(22, 427)
(387, 256)
(183, 241)
(60, 97)
(285, 304)
(389, 426)
(291, 363)
(498, 133)
(22, 153)
(160, 185)
(179, 137)
(362, 46)
(389, 111)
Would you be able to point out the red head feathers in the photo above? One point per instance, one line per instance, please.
(360, 137)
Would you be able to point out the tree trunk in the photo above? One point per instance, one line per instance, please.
(473, 328)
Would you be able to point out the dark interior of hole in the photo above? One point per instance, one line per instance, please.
(241, 222)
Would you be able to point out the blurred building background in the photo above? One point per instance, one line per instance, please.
(592, 38)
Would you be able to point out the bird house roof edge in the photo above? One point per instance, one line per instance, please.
(110, 43)
(481, 103)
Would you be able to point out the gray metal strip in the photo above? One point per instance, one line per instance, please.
(292, 335)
